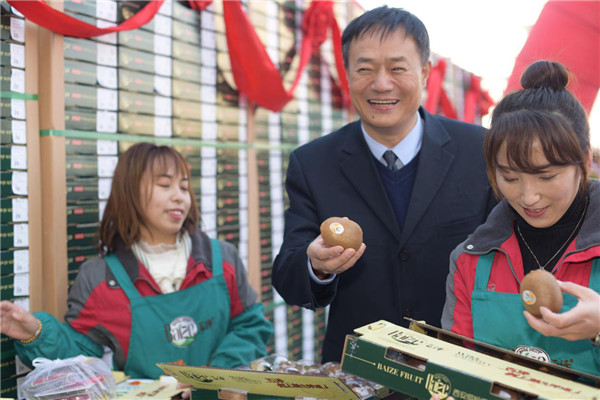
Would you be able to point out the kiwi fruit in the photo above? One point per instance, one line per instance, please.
(540, 288)
(341, 231)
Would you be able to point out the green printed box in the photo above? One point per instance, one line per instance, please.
(80, 120)
(81, 235)
(14, 236)
(85, 7)
(187, 128)
(14, 209)
(80, 96)
(80, 72)
(422, 366)
(13, 157)
(137, 39)
(82, 189)
(80, 49)
(13, 183)
(83, 213)
(14, 261)
(12, 28)
(12, 54)
(186, 90)
(136, 124)
(80, 146)
(185, 14)
(136, 60)
(186, 52)
(187, 32)
(77, 256)
(134, 81)
(186, 71)
(187, 109)
(81, 166)
(136, 103)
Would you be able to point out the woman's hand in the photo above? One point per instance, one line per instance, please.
(17, 322)
(579, 323)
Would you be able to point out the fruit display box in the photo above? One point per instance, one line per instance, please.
(412, 362)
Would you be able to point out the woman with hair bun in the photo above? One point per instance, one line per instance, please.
(538, 156)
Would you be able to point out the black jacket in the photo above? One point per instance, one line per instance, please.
(402, 273)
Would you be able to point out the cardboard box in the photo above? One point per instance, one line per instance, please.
(246, 384)
(14, 236)
(420, 365)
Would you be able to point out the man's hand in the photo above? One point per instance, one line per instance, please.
(327, 260)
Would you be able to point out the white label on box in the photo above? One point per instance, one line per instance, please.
(163, 25)
(208, 75)
(163, 127)
(210, 222)
(166, 8)
(17, 80)
(110, 38)
(209, 93)
(106, 121)
(19, 132)
(208, 112)
(106, 166)
(17, 55)
(107, 9)
(208, 39)
(106, 54)
(243, 185)
(22, 302)
(208, 152)
(209, 167)
(207, 19)
(17, 108)
(208, 185)
(107, 147)
(21, 261)
(107, 99)
(162, 65)
(19, 183)
(21, 285)
(162, 45)
(163, 106)
(101, 208)
(209, 57)
(17, 29)
(107, 76)
(20, 210)
(209, 130)
(243, 217)
(162, 85)
(18, 157)
(209, 203)
(104, 185)
(277, 224)
(243, 201)
(21, 235)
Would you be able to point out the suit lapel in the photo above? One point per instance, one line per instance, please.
(358, 167)
(433, 166)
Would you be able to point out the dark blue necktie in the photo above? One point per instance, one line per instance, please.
(390, 158)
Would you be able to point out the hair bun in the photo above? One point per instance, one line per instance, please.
(545, 73)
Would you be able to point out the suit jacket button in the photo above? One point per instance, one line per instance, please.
(404, 256)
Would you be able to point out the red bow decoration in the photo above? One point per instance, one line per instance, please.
(199, 5)
(476, 97)
(41, 13)
(317, 20)
(436, 93)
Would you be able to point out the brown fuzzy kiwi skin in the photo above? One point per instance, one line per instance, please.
(350, 236)
(540, 288)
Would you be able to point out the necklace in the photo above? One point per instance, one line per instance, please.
(561, 247)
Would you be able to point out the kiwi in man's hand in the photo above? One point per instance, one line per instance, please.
(341, 231)
(540, 288)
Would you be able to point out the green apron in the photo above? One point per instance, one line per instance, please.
(498, 320)
(186, 325)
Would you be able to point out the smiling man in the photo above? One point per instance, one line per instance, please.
(415, 183)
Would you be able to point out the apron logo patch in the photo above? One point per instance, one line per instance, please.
(533, 352)
(181, 331)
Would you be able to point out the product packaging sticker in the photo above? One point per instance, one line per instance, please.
(163, 126)
(106, 166)
(17, 29)
(107, 76)
(163, 106)
(21, 285)
(106, 121)
(162, 65)
(110, 38)
(107, 10)
(17, 55)
(19, 183)
(17, 80)
(106, 54)
(104, 185)
(107, 147)
(162, 85)
(162, 45)
(21, 261)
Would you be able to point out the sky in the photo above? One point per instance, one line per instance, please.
(481, 36)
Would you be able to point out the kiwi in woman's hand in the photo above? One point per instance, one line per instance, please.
(540, 288)
(343, 232)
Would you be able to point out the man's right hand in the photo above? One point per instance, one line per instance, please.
(326, 260)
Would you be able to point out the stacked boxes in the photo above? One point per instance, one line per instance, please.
(14, 191)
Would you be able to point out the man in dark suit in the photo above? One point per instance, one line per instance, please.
(415, 183)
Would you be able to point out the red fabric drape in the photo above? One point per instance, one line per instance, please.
(476, 98)
(436, 95)
(253, 72)
(42, 14)
(200, 5)
(568, 32)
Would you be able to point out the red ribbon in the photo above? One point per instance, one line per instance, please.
(436, 94)
(317, 20)
(39, 12)
(199, 5)
(474, 98)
